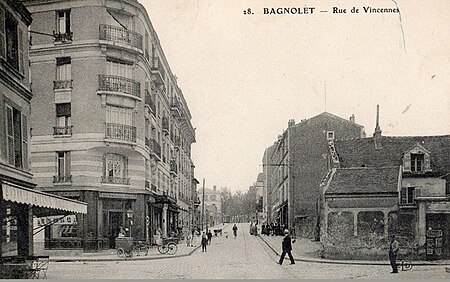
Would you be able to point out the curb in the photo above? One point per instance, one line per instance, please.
(123, 259)
(305, 259)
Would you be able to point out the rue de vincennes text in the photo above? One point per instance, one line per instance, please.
(332, 10)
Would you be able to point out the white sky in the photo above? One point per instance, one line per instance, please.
(244, 77)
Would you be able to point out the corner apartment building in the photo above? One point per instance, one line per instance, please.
(211, 201)
(300, 159)
(19, 201)
(111, 126)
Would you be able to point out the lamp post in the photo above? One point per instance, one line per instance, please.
(130, 218)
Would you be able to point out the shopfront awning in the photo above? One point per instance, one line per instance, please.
(44, 203)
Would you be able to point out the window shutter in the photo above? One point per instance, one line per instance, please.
(25, 142)
(417, 192)
(403, 196)
(407, 161)
(426, 162)
(67, 164)
(2, 33)
(10, 135)
(67, 21)
(21, 51)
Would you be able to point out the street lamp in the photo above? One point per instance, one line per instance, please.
(130, 218)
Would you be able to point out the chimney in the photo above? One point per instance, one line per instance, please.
(291, 122)
(377, 133)
(352, 118)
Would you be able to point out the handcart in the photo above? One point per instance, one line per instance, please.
(126, 246)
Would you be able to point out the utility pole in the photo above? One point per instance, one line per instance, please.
(203, 203)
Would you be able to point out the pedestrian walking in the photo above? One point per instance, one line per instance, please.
(204, 241)
(209, 235)
(393, 251)
(286, 247)
(235, 230)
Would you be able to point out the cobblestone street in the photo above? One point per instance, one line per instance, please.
(246, 256)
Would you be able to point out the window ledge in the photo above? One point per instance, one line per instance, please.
(11, 69)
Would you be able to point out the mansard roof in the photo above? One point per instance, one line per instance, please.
(364, 180)
(362, 152)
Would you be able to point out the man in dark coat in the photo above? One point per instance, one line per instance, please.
(393, 251)
(286, 247)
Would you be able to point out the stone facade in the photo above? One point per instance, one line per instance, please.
(111, 126)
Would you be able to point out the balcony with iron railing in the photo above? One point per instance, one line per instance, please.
(62, 37)
(62, 178)
(157, 69)
(115, 180)
(155, 148)
(62, 130)
(120, 35)
(173, 167)
(165, 125)
(120, 132)
(149, 101)
(62, 84)
(119, 84)
(175, 106)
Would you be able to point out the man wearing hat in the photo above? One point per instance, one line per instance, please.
(393, 251)
(286, 247)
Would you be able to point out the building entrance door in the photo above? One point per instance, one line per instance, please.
(115, 222)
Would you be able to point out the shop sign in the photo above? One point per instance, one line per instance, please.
(443, 207)
(117, 196)
(67, 220)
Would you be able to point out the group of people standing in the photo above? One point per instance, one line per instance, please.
(206, 239)
(272, 229)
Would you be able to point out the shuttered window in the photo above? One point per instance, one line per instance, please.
(16, 138)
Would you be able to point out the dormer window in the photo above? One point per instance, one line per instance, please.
(330, 135)
(417, 161)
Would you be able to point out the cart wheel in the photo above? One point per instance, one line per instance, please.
(172, 248)
(162, 249)
(120, 253)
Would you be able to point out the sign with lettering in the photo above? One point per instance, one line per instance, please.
(67, 220)
(117, 196)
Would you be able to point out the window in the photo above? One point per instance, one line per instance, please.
(117, 68)
(63, 119)
(62, 167)
(11, 41)
(63, 73)
(417, 162)
(17, 138)
(63, 32)
(119, 115)
(115, 169)
(330, 135)
(409, 194)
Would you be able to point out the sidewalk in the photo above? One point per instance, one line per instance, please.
(308, 251)
(111, 255)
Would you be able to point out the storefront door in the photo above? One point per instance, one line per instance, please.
(115, 222)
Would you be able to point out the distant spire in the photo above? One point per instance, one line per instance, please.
(377, 133)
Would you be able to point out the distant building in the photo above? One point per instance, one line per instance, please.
(386, 185)
(301, 159)
(212, 204)
(270, 199)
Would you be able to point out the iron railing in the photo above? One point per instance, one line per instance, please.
(119, 84)
(116, 180)
(62, 37)
(62, 130)
(155, 147)
(62, 84)
(121, 35)
(62, 178)
(149, 101)
(120, 132)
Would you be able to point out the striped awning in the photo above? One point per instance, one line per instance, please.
(18, 194)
